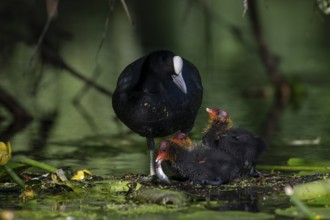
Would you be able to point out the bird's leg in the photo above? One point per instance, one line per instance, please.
(151, 146)
(254, 172)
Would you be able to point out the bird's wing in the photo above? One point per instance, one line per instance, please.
(130, 76)
(194, 77)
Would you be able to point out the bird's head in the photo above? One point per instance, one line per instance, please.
(163, 152)
(183, 140)
(218, 115)
(167, 65)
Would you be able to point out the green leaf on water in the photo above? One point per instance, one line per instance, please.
(312, 190)
(308, 162)
(324, 200)
(224, 215)
(159, 196)
(320, 213)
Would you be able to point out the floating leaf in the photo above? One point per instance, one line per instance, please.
(159, 196)
(324, 200)
(313, 189)
(319, 213)
(307, 162)
(237, 215)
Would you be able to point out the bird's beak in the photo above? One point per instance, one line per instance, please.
(177, 77)
(161, 157)
(179, 82)
(159, 160)
(211, 112)
(159, 170)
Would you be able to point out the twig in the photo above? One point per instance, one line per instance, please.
(245, 7)
(51, 6)
(21, 117)
(81, 93)
(268, 59)
(126, 11)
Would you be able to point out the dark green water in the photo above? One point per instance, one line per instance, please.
(228, 62)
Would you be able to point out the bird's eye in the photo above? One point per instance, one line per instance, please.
(182, 136)
(223, 114)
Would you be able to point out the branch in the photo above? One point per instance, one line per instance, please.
(268, 59)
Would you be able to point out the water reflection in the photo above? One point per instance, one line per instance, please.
(238, 200)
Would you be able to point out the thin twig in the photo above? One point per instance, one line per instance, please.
(126, 11)
(38, 45)
(245, 7)
(268, 59)
(96, 73)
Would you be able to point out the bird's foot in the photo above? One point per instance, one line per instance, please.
(255, 173)
(218, 181)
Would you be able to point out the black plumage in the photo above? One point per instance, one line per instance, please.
(238, 142)
(157, 95)
(199, 164)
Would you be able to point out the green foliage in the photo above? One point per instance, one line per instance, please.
(319, 213)
(160, 196)
(294, 161)
(237, 215)
(313, 190)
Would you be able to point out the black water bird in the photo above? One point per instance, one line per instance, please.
(197, 163)
(158, 95)
(238, 142)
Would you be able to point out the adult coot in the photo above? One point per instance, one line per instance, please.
(157, 95)
(238, 142)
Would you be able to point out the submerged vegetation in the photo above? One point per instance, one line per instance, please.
(59, 193)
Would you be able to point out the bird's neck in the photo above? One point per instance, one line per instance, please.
(218, 126)
(186, 144)
(177, 153)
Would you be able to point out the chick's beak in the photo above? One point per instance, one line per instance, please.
(159, 170)
(161, 157)
(212, 113)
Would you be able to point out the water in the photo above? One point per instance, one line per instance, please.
(228, 61)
